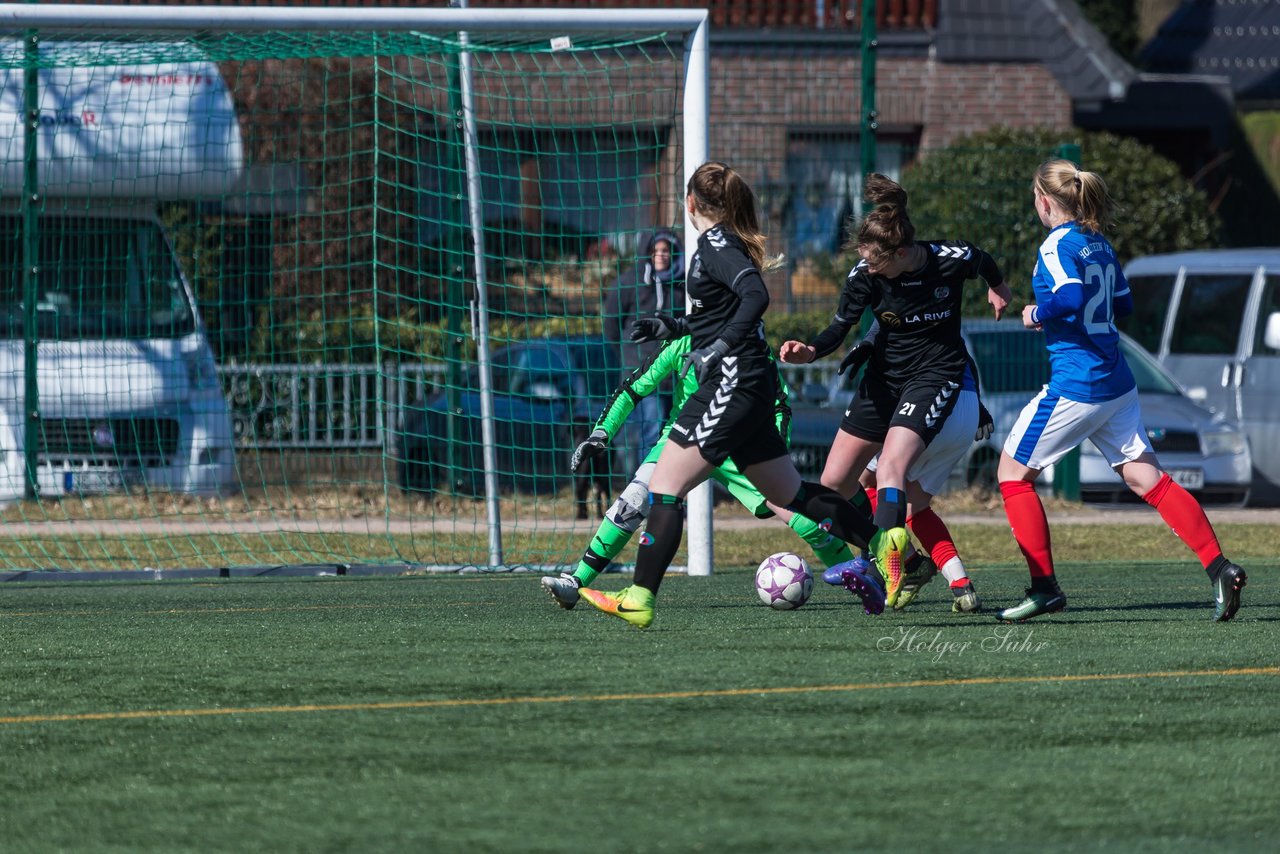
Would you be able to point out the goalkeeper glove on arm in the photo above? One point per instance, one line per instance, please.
(986, 424)
(703, 361)
(856, 358)
(590, 447)
(657, 327)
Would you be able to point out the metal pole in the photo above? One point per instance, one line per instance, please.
(700, 538)
(476, 211)
(869, 122)
(31, 260)
(455, 268)
(71, 18)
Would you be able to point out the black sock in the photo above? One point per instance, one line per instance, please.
(660, 540)
(912, 563)
(820, 503)
(597, 562)
(1045, 584)
(891, 508)
(1215, 567)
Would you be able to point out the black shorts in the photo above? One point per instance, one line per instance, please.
(734, 416)
(922, 405)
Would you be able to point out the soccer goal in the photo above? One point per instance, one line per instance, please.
(324, 288)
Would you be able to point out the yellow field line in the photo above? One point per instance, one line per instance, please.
(602, 698)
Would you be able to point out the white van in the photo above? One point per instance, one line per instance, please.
(129, 397)
(1212, 318)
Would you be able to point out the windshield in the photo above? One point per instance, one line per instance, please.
(100, 278)
(1019, 361)
(1151, 298)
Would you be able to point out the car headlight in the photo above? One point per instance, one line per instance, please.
(1230, 442)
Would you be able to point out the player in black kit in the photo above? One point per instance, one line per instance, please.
(731, 415)
(917, 369)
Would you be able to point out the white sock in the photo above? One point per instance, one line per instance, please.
(953, 571)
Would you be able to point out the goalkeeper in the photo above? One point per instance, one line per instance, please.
(628, 513)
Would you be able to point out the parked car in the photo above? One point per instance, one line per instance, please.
(1199, 449)
(541, 389)
(1212, 318)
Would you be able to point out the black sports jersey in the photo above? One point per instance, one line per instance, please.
(727, 297)
(918, 312)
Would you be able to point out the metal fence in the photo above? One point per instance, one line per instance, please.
(351, 406)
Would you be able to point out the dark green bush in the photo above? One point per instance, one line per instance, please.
(979, 189)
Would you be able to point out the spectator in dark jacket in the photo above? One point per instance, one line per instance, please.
(655, 284)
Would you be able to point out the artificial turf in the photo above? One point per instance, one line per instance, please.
(468, 713)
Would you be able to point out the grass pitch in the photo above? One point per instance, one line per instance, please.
(468, 713)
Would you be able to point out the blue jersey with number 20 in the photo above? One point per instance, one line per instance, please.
(1078, 288)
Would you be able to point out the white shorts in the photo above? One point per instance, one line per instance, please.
(934, 465)
(1050, 426)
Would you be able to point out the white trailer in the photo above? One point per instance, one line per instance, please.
(128, 395)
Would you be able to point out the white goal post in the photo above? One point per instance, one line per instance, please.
(18, 19)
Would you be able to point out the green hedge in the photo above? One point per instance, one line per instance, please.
(979, 189)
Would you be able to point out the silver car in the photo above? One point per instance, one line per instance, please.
(1212, 318)
(1198, 448)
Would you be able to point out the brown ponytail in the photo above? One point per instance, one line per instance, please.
(886, 228)
(721, 194)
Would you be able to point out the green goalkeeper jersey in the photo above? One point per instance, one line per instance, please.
(647, 378)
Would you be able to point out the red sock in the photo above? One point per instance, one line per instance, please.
(872, 496)
(1029, 524)
(1186, 517)
(932, 533)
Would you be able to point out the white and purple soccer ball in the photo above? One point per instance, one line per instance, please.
(784, 581)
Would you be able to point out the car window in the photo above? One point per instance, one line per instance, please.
(100, 278)
(1210, 313)
(501, 370)
(540, 371)
(1270, 304)
(1151, 295)
(1148, 375)
(1010, 361)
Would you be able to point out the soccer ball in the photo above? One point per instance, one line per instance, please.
(784, 581)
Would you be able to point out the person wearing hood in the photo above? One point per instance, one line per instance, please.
(656, 284)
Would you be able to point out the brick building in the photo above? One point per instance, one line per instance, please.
(785, 109)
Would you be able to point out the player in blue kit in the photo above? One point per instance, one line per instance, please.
(1079, 291)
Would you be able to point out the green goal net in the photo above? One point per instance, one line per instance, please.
(274, 283)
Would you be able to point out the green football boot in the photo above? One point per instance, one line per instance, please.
(632, 604)
(889, 546)
(913, 579)
(1037, 602)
